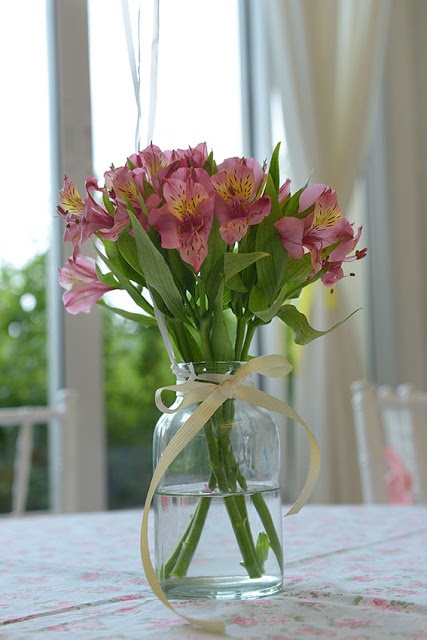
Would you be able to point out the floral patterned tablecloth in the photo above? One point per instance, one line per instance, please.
(356, 572)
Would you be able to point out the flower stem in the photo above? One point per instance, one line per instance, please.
(248, 339)
(240, 335)
(178, 563)
(235, 505)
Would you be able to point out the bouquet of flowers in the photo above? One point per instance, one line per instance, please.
(204, 243)
(211, 252)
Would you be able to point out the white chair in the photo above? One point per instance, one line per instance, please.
(62, 420)
(391, 435)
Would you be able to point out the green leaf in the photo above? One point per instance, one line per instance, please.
(144, 320)
(216, 249)
(297, 271)
(291, 205)
(236, 284)
(182, 272)
(220, 338)
(234, 263)
(258, 301)
(121, 262)
(157, 272)
(270, 271)
(267, 314)
(126, 284)
(274, 168)
(298, 323)
(214, 280)
(185, 343)
(127, 248)
(106, 278)
(110, 208)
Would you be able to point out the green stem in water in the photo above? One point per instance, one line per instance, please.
(235, 506)
(178, 563)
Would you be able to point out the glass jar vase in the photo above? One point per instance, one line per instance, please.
(218, 529)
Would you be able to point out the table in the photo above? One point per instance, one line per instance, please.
(356, 572)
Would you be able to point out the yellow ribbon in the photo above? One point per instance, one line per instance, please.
(212, 396)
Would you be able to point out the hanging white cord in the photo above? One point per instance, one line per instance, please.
(134, 54)
(135, 65)
(154, 70)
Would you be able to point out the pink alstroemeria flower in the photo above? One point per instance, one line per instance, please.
(83, 217)
(193, 156)
(124, 186)
(340, 254)
(70, 209)
(185, 219)
(151, 160)
(237, 185)
(318, 230)
(323, 228)
(83, 288)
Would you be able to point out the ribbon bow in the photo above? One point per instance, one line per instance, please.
(212, 390)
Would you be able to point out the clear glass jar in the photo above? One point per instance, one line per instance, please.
(218, 521)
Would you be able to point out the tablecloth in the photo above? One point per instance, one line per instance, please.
(356, 572)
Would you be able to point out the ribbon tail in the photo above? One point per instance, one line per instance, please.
(180, 440)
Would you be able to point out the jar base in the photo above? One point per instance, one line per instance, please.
(222, 587)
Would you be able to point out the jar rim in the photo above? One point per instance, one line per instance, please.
(183, 369)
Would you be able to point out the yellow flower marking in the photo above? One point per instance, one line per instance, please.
(327, 218)
(241, 186)
(180, 206)
(70, 199)
(128, 190)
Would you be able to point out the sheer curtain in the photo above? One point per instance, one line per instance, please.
(327, 60)
(398, 293)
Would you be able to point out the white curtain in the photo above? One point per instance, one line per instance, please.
(398, 299)
(327, 60)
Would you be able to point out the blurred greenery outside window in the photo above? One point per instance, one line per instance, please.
(136, 365)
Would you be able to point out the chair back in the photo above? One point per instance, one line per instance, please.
(391, 436)
(61, 417)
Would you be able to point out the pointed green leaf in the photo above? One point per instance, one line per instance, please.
(106, 278)
(216, 249)
(185, 343)
(121, 262)
(144, 320)
(236, 262)
(270, 271)
(298, 323)
(274, 168)
(236, 284)
(258, 301)
(220, 338)
(157, 272)
(291, 205)
(110, 208)
(126, 284)
(267, 314)
(127, 248)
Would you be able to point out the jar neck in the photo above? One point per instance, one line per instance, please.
(188, 370)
